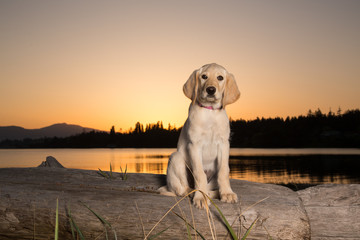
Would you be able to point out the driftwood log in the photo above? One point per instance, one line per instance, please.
(333, 211)
(51, 162)
(28, 199)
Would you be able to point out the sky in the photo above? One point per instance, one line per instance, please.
(104, 63)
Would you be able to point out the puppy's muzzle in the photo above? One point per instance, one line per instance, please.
(211, 90)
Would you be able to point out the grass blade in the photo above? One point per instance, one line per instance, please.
(248, 231)
(270, 238)
(123, 173)
(141, 221)
(188, 230)
(106, 234)
(57, 220)
(192, 216)
(101, 173)
(73, 225)
(158, 234)
(102, 220)
(230, 229)
(115, 236)
(34, 223)
(188, 224)
(152, 229)
(111, 175)
(78, 230)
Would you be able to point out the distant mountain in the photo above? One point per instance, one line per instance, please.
(56, 130)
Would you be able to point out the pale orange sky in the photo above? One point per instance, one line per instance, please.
(104, 63)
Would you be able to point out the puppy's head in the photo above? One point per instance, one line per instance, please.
(212, 85)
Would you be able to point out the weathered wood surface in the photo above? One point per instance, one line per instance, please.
(333, 210)
(51, 162)
(28, 204)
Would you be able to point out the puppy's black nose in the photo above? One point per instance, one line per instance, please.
(211, 90)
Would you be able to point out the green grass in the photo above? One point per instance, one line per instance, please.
(229, 227)
(189, 224)
(124, 175)
(110, 175)
(103, 174)
(57, 221)
(103, 222)
(74, 228)
(77, 233)
(157, 234)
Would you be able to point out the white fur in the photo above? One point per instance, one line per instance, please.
(202, 157)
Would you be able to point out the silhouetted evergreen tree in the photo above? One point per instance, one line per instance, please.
(112, 131)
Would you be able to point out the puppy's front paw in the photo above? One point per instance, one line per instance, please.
(200, 201)
(229, 197)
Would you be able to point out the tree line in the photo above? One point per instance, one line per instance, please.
(316, 129)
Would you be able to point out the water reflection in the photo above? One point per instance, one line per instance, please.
(301, 169)
(288, 166)
(289, 169)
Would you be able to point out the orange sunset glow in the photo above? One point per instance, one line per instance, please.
(104, 63)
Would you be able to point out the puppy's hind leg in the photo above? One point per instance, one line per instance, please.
(177, 179)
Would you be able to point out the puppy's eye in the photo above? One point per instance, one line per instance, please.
(220, 78)
(204, 77)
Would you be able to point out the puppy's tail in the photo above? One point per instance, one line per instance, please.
(165, 191)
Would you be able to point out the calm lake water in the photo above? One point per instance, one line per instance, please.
(286, 166)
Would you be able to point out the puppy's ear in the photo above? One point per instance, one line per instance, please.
(191, 86)
(231, 92)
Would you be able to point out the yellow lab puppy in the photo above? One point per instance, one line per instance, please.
(202, 157)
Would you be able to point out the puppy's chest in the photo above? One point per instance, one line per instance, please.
(210, 129)
(212, 135)
(212, 123)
